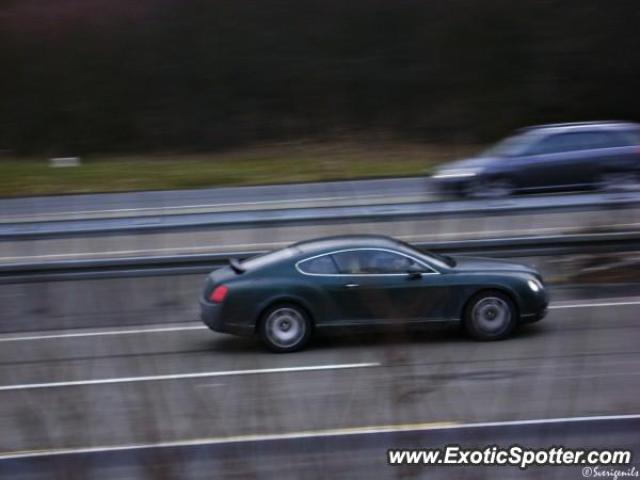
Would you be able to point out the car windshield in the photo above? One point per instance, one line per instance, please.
(438, 257)
(446, 259)
(512, 145)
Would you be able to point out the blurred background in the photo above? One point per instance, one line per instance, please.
(143, 143)
(120, 79)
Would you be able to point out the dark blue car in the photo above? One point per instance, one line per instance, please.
(550, 157)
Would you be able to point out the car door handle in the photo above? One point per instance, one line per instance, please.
(352, 285)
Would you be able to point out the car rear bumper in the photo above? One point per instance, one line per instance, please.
(211, 316)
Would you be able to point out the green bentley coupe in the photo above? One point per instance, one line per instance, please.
(366, 280)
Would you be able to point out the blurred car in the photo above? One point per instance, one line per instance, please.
(367, 280)
(550, 157)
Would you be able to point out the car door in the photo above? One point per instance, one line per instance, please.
(617, 152)
(324, 287)
(377, 287)
(556, 160)
(594, 148)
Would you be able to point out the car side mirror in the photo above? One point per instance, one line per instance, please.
(414, 271)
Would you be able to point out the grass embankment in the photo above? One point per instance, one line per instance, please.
(256, 166)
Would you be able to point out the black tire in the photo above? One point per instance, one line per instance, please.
(619, 181)
(490, 188)
(490, 315)
(285, 328)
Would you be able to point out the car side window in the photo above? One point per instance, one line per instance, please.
(575, 141)
(374, 262)
(320, 265)
(590, 140)
(626, 138)
(544, 145)
(562, 142)
(632, 137)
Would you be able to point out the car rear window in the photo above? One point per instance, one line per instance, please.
(319, 265)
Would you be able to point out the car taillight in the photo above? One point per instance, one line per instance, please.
(218, 294)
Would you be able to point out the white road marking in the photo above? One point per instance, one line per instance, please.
(100, 333)
(605, 303)
(338, 432)
(472, 235)
(542, 421)
(596, 375)
(182, 376)
(123, 253)
(192, 326)
(161, 209)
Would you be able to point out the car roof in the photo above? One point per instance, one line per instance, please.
(320, 245)
(577, 126)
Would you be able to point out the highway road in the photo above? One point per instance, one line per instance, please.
(177, 401)
(356, 192)
(248, 219)
(264, 236)
(149, 393)
(42, 229)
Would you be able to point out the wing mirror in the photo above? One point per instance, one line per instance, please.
(414, 271)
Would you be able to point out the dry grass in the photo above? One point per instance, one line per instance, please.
(283, 163)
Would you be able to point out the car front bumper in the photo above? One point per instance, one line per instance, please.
(536, 308)
(535, 316)
(451, 185)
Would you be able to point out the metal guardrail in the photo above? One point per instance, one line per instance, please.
(203, 263)
(314, 215)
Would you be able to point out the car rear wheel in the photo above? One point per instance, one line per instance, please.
(490, 316)
(285, 328)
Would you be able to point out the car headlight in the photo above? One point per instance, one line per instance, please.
(456, 173)
(534, 285)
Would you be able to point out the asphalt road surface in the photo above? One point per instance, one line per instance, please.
(182, 402)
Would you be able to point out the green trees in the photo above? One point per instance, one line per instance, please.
(80, 76)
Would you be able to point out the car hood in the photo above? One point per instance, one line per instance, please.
(479, 264)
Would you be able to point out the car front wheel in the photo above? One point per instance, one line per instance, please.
(490, 188)
(490, 316)
(285, 328)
